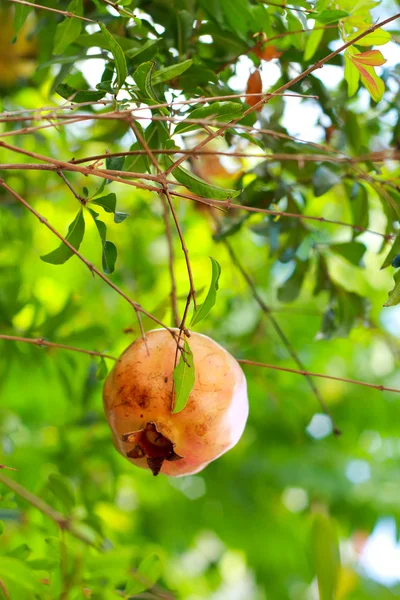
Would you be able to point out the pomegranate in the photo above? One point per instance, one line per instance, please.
(138, 397)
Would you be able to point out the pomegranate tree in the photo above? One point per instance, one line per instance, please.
(139, 401)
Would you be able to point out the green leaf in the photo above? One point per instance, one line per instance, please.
(143, 77)
(351, 74)
(198, 186)
(66, 91)
(15, 572)
(168, 73)
(237, 16)
(379, 37)
(312, 43)
(21, 13)
(101, 371)
(326, 555)
(109, 203)
(393, 253)
(63, 490)
(118, 54)
(359, 206)
(109, 251)
(46, 563)
(351, 251)
(219, 111)
(75, 234)
(97, 39)
(69, 29)
(1, 527)
(323, 180)
(109, 257)
(291, 288)
(115, 163)
(147, 574)
(394, 294)
(203, 309)
(184, 378)
(142, 54)
(330, 16)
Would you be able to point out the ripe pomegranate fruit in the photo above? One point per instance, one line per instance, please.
(138, 395)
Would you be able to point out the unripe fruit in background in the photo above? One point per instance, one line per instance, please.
(138, 397)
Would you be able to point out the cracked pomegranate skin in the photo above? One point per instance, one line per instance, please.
(137, 398)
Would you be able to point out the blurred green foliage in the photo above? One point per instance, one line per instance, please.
(262, 521)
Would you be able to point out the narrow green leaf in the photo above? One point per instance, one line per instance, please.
(203, 309)
(21, 13)
(98, 40)
(101, 371)
(69, 29)
(330, 16)
(144, 53)
(1, 527)
(394, 251)
(184, 378)
(326, 556)
(46, 563)
(200, 187)
(75, 234)
(143, 79)
(109, 251)
(312, 43)
(118, 54)
(115, 163)
(109, 257)
(15, 572)
(359, 206)
(109, 203)
(219, 111)
(291, 288)
(147, 574)
(168, 73)
(351, 251)
(323, 180)
(351, 74)
(394, 294)
(379, 37)
(66, 91)
(62, 489)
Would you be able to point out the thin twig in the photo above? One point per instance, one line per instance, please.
(55, 10)
(63, 522)
(286, 7)
(163, 181)
(174, 301)
(80, 198)
(276, 157)
(281, 334)
(42, 342)
(381, 388)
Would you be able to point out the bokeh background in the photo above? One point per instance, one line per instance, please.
(242, 528)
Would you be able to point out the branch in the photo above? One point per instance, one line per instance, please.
(42, 342)
(287, 85)
(55, 10)
(163, 181)
(381, 388)
(373, 156)
(174, 301)
(63, 522)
